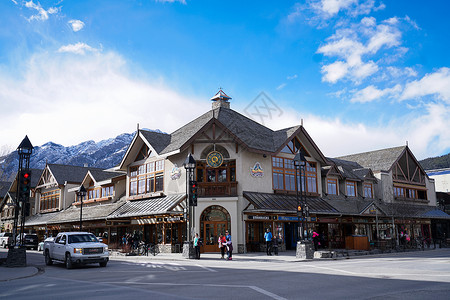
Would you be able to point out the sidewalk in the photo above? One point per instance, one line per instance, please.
(7, 274)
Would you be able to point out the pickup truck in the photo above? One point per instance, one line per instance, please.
(5, 239)
(75, 248)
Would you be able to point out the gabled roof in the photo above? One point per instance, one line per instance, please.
(72, 174)
(379, 160)
(250, 134)
(101, 175)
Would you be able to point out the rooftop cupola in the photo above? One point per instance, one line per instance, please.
(220, 100)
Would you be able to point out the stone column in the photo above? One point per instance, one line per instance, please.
(17, 258)
(305, 250)
(188, 250)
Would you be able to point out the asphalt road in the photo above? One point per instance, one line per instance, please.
(415, 275)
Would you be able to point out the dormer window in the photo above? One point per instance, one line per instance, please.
(350, 187)
(368, 190)
(332, 187)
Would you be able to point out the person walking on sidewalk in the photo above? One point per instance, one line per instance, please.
(229, 245)
(268, 238)
(222, 245)
(197, 246)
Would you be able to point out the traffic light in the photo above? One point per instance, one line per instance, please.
(24, 185)
(193, 193)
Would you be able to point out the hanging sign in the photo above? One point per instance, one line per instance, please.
(257, 170)
(214, 159)
(175, 173)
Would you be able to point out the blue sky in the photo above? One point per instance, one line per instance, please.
(361, 74)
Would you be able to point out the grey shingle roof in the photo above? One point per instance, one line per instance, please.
(152, 206)
(4, 187)
(287, 203)
(40, 219)
(247, 131)
(379, 160)
(348, 206)
(91, 212)
(73, 174)
(100, 175)
(349, 169)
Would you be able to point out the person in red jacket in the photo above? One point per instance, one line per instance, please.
(222, 245)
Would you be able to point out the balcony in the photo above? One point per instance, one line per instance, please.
(210, 189)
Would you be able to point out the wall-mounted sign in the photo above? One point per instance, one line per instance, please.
(214, 159)
(175, 173)
(257, 170)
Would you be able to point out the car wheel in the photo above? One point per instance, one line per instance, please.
(48, 260)
(68, 262)
(103, 264)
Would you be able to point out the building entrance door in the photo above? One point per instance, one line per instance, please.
(214, 220)
(211, 235)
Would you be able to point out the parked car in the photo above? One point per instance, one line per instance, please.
(5, 239)
(75, 248)
(30, 240)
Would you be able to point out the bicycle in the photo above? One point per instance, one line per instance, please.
(145, 249)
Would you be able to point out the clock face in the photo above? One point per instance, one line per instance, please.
(214, 159)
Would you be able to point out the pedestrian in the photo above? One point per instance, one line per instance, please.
(222, 242)
(229, 245)
(315, 237)
(197, 246)
(268, 238)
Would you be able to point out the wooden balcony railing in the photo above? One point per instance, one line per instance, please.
(207, 189)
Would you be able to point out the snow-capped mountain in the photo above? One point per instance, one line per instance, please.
(104, 154)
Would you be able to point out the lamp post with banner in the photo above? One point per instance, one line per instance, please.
(191, 200)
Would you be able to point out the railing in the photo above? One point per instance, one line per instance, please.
(207, 189)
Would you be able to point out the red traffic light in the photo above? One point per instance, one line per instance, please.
(26, 175)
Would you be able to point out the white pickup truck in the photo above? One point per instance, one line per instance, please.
(75, 248)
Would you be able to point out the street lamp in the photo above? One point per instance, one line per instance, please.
(189, 164)
(299, 161)
(23, 194)
(81, 193)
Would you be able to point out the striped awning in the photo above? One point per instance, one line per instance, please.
(150, 206)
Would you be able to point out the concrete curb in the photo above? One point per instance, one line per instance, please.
(7, 274)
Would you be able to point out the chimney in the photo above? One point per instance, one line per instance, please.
(220, 100)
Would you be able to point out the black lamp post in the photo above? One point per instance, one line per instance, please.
(189, 165)
(23, 194)
(81, 193)
(299, 161)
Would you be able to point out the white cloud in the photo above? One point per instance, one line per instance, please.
(335, 71)
(332, 7)
(337, 137)
(78, 48)
(69, 99)
(76, 25)
(42, 14)
(292, 77)
(371, 93)
(437, 83)
(281, 86)
(325, 9)
(353, 46)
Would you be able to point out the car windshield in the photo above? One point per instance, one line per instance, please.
(82, 238)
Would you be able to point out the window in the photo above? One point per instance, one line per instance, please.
(283, 175)
(94, 193)
(368, 190)
(332, 186)
(399, 192)
(147, 178)
(108, 191)
(49, 200)
(351, 188)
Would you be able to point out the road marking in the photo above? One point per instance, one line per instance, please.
(255, 288)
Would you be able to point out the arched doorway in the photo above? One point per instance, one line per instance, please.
(214, 220)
